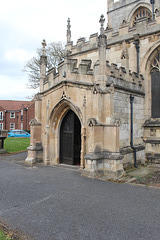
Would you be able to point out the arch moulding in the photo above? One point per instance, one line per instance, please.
(131, 14)
(55, 119)
(60, 110)
(145, 69)
(149, 56)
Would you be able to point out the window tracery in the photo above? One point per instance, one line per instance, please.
(156, 63)
(141, 13)
(155, 85)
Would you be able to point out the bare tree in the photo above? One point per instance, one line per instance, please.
(54, 53)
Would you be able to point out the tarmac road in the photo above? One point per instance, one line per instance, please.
(56, 203)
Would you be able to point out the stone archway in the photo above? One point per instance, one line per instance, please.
(70, 139)
(56, 118)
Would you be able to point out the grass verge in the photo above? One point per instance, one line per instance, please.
(3, 236)
(7, 234)
(13, 145)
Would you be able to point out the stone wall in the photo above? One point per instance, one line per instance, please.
(152, 140)
(116, 48)
(122, 112)
(123, 11)
(99, 92)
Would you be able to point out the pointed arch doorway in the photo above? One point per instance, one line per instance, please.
(70, 139)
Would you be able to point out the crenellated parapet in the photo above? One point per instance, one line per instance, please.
(121, 73)
(71, 66)
(85, 64)
(70, 70)
(82, 45)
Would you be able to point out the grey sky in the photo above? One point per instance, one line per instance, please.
(23, 26)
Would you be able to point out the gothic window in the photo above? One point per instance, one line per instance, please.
(156, 63)
(155, 87)
(141, 13)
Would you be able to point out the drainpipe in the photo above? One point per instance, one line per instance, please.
(152, 2)
(131, 143)
(26, 119)
(5, 119)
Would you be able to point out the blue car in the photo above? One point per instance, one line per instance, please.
(18, 133)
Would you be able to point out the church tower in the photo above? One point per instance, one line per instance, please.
(125, 11)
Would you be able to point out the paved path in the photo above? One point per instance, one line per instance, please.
(56, 203)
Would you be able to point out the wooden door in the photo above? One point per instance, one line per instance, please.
(67, 139)
(70, 139)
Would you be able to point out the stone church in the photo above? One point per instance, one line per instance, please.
(100, 110)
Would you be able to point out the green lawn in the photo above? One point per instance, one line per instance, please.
(4, 237)
(16, 144)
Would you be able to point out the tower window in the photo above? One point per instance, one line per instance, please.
(141, 13)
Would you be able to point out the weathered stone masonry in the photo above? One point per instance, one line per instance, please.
(99, 93)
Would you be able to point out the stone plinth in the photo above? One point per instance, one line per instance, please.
(35, 150)
(152, 140)
(35, 154)
(3, 136)
(104, 164)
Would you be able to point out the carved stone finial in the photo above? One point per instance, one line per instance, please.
(69, 26)
(68, 31)
(101, 21)
(43, 65)
(43, 45)
(102, 37)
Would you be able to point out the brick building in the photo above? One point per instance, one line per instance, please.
(16, 114)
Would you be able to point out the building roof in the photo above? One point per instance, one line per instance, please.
(11, 105)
